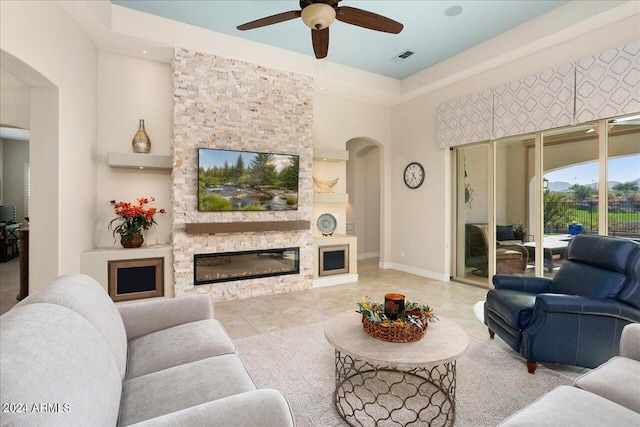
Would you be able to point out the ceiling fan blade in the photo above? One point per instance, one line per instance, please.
(320, 40)
(365, 19)
(270, 20)
(304, 3)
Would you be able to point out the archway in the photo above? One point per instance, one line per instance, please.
(365, 185)
(44, 216)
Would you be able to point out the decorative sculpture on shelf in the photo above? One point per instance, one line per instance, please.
(141, 142)
(325, 186)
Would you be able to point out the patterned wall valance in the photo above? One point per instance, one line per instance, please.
(538, 102)
(596, 87)
(465, 120)
(608, 84)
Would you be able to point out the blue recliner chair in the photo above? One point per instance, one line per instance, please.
(577, 317)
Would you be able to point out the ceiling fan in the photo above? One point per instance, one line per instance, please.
(319, 14)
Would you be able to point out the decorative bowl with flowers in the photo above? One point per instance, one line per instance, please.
(410, 325)
(134, 218)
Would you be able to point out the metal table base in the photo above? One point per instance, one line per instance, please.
(369, 395)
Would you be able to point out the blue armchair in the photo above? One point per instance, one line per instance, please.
(577, 317)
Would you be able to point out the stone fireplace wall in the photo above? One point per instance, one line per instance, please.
(228, 104)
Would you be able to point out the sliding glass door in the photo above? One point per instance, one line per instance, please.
(522, 199)
(570, 190)
(514, 247)
(472, 206)
(623, 170)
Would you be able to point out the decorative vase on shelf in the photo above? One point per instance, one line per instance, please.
(141, 142)
(132, 241)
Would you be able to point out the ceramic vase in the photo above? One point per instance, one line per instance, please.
(141, 142)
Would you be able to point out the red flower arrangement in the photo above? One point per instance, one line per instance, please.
(134, 217)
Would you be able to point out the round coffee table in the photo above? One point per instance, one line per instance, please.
(385, 383)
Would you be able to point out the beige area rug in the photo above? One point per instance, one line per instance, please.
(491, 384)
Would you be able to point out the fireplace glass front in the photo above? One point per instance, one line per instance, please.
(230, 266)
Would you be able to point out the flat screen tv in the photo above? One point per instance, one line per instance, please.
(246, 181)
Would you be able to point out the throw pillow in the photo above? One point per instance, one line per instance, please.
(504, 232)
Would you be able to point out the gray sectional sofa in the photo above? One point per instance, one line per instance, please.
(606, 396)
(70, 357)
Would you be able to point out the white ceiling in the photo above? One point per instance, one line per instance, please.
(428, 31)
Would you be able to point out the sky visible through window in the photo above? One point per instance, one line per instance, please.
(622, 169)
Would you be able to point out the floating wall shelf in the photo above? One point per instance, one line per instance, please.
(245, 227)
(342, 198)
(138, 161)
(330, 155)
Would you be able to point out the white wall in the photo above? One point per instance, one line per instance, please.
(420, 217)
(371, 165)
(130, 89)
(364, 195)
(61, 59)
(14, 100)
(337, 121)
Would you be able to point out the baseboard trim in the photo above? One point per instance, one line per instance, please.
(417, 271)
(335, 280)
(369, 255)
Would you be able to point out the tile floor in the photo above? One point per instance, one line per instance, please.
(264, 314)
(451, 300)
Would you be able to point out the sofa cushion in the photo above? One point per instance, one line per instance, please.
(256, 408)
(146, 317)
(514, 307)
(570, 406)
(575, 278)
(88, 298)
(617, 380)
(181, 344)
(182, 387)
(52, 355)
(502, 254)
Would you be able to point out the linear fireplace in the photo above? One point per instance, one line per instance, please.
(230, 266)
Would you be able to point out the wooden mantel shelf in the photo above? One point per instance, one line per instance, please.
(245, 227)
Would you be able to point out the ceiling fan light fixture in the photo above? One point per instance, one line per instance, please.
(318, 16)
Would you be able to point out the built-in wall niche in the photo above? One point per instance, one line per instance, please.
(95, 263)
(335, 260)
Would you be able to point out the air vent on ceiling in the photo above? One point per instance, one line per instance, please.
(402, 56)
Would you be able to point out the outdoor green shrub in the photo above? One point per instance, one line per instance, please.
(254, 208)
(213, 202)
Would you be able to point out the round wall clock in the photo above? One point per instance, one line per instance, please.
(327, 224)
(414, 175)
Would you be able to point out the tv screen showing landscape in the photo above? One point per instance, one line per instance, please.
(246, 181)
